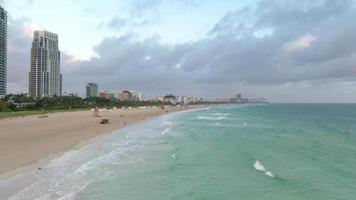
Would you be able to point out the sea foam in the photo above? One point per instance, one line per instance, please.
(168, 123)
(211, 118)
(268, 173)
(221, 114)
(259, 167)
(167, 130)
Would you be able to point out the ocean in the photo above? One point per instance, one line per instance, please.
(271, 151)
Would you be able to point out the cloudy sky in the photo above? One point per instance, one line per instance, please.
(286, 51)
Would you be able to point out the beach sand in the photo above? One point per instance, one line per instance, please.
(25, 141)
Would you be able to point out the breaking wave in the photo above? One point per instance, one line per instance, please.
(211, 118)
(167, 130)
(259, 167)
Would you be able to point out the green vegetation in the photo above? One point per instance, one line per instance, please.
(26, 113)
(21, 105)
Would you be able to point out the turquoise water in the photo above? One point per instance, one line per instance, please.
(276, 151)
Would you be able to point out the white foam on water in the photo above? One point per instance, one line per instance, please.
(211, 118)
(221, 114)
(258, 166)
(268, 173)
(245, 124)
(168, 123)
(64, 180)
(167, 130)
(66, 176)
(174, 156)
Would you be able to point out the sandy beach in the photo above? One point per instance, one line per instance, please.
(25, 141)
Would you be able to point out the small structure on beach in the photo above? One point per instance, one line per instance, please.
(104, 121)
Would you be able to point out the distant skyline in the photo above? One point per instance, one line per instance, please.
(285, 51)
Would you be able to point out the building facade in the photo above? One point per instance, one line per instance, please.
(127, 95)
(91, 90)
(3, 51)
(107, 95)
(45, 79)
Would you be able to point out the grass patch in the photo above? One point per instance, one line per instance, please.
(15, 114)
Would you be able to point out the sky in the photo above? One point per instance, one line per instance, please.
(286, 51)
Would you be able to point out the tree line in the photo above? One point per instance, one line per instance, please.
(22, 102)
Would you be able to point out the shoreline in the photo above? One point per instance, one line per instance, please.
(30, 142)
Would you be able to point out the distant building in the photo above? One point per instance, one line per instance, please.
(45, 78)
(170, 98)
(124, 95)
(3, 51)
(238, 99)
(70, 94)
(139, 96)
(91, 90)
(185, 100)
(239, 96)
(177, 99)
(159, 98)
(127, 95)
(107, 95)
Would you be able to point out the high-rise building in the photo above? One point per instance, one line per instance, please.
(91, 90)
(45, 77)
(3, 51)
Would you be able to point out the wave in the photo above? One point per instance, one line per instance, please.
(221, 114)
(211, 118)
(268, 173)
(167, 130)
(63, 181)
(259, 167)
(168, 123)
(66, 176)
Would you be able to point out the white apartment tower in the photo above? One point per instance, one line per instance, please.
(45, 77)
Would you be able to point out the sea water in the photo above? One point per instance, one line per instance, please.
(272, 151)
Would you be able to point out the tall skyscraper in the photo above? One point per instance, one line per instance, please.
(91, 90)
(3, 51)
(45, 77)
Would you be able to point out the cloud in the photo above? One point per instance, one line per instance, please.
(301, 43)
(193, 2)
(120, 23)
(19, 44)
(19, 3)
(140, 7)
(300, 48)
(272, 48)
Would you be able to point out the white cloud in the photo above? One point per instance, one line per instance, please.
(263, 32)
(301, 43)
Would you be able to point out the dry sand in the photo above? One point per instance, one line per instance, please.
(25, 141)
